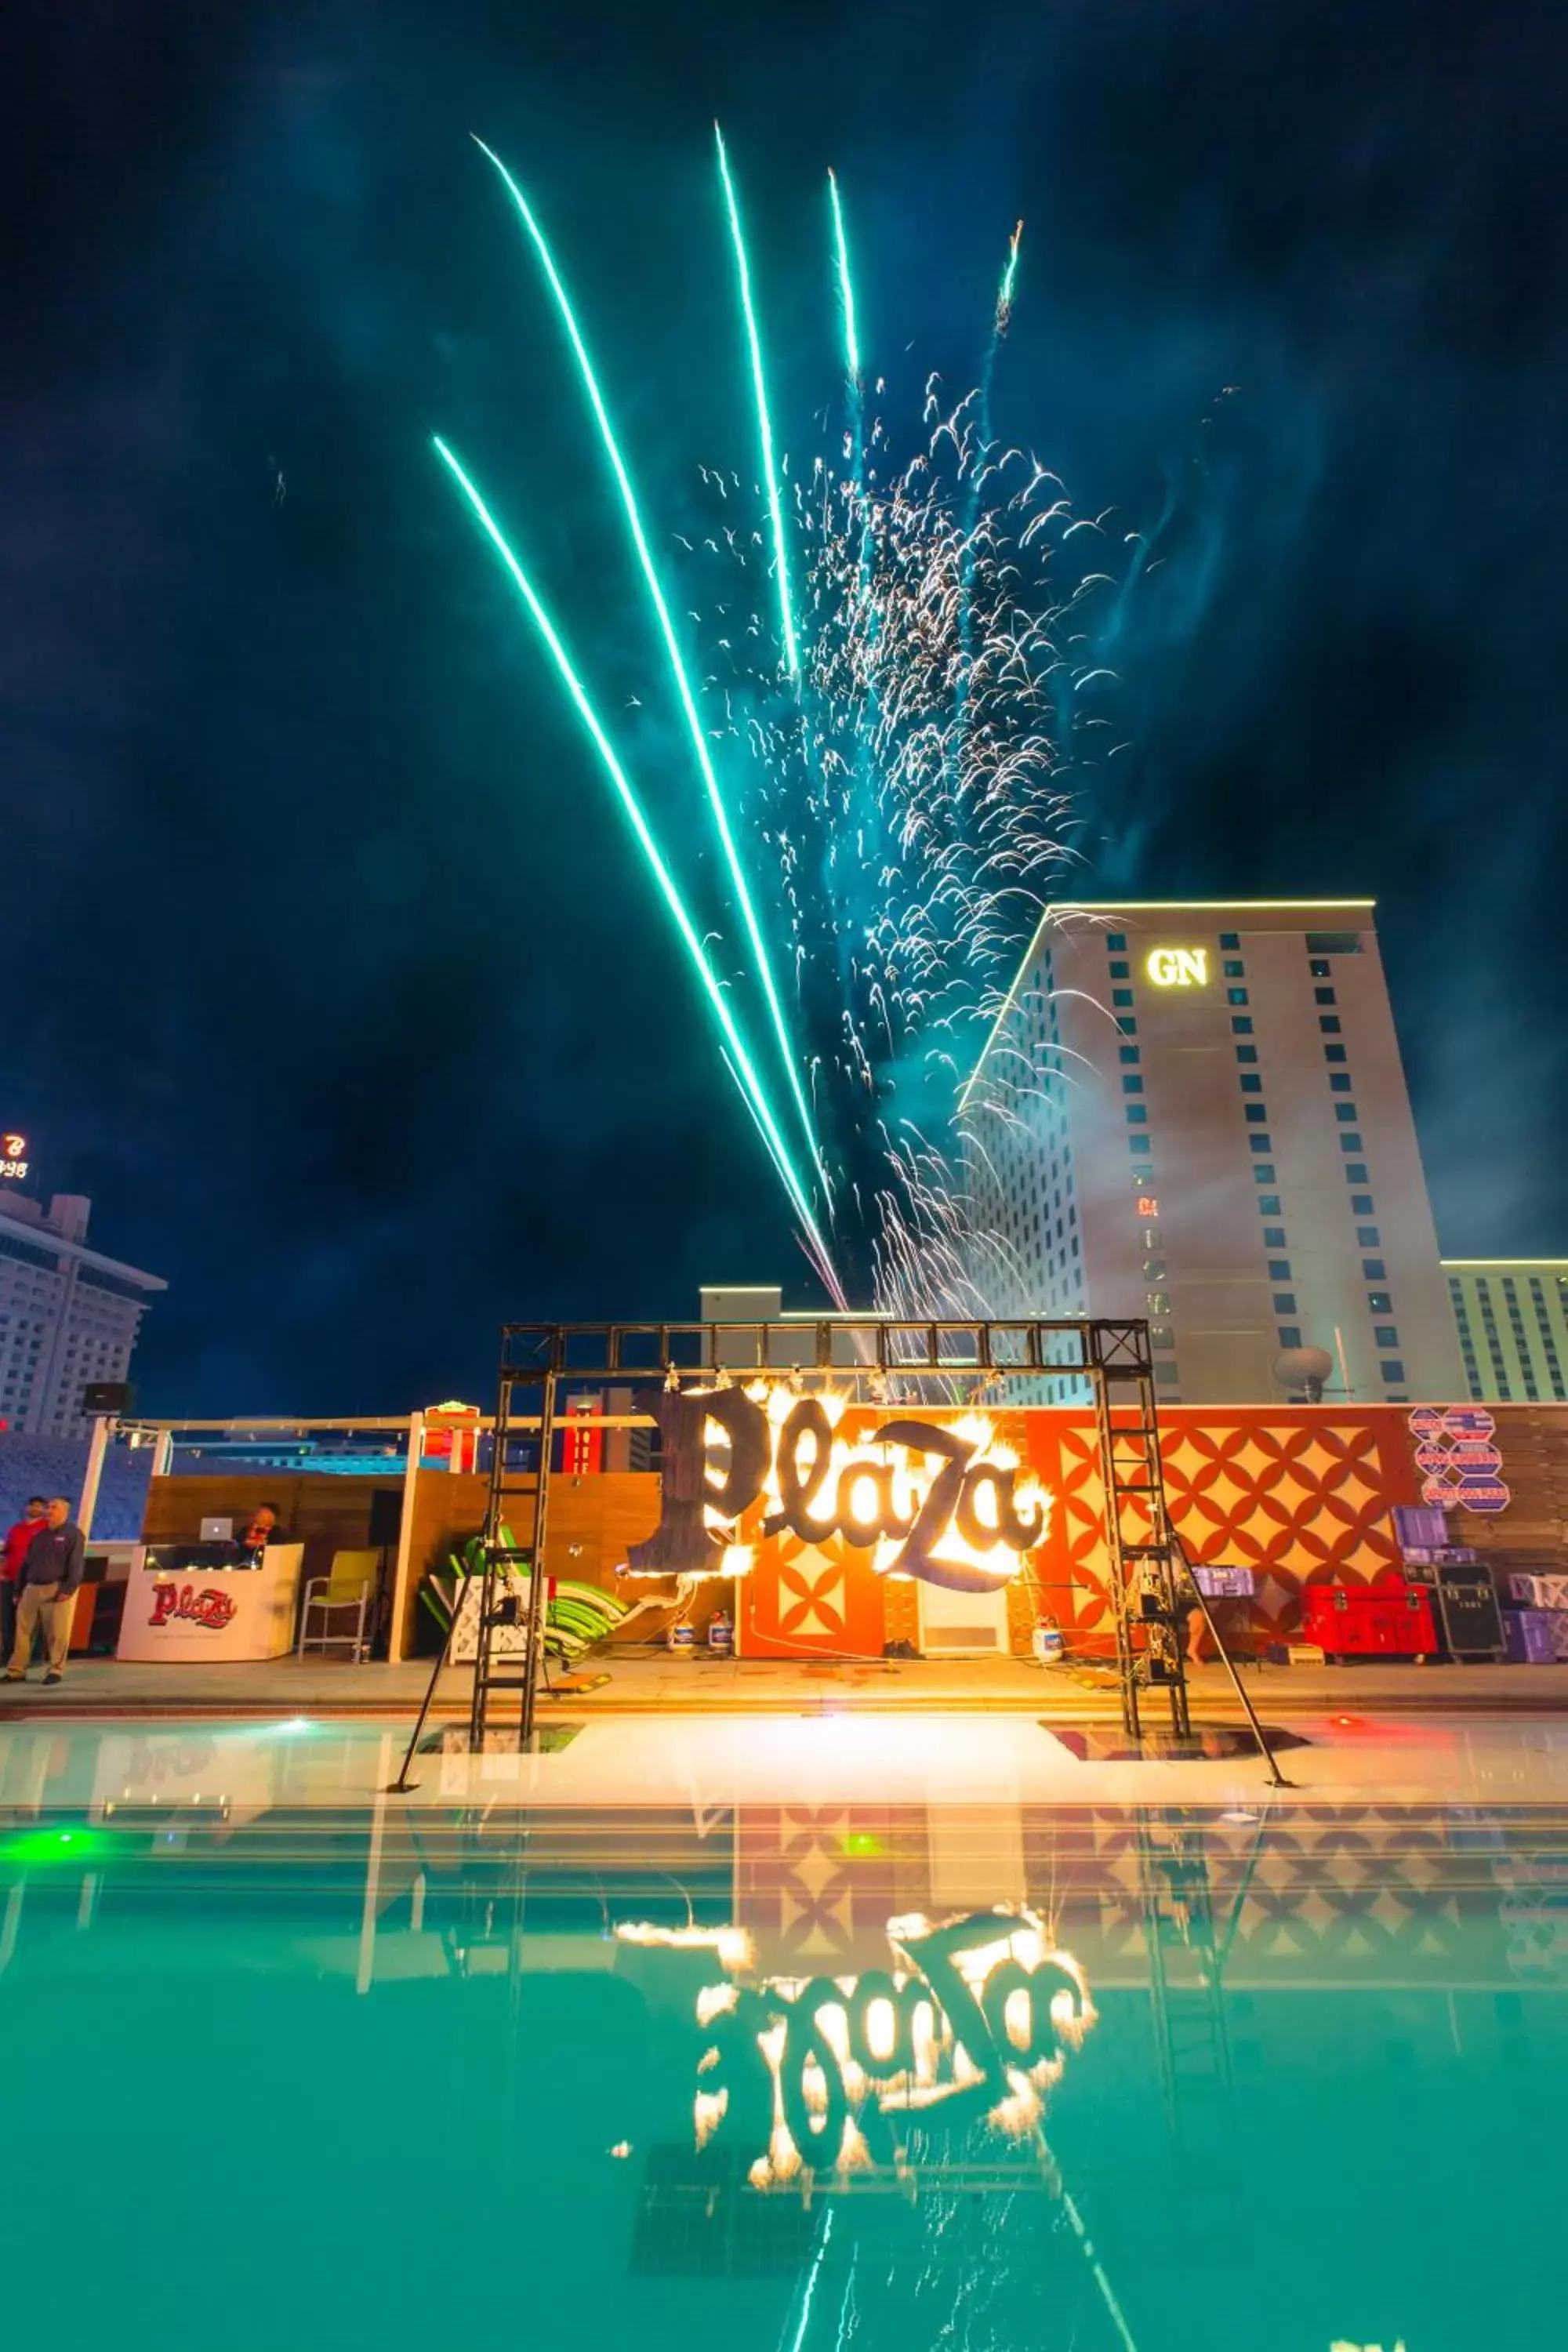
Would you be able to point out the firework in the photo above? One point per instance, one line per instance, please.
(898, 742)
(741, 1064)
(845, 283)
(667, 628)
(765, 418)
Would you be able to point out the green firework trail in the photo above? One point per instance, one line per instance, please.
(765, 418)
(672, 644)
(742, 1062)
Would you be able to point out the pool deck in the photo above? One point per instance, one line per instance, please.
(656, 1683)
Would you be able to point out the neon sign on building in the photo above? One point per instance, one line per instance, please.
(13, 1157)
(1178, 967)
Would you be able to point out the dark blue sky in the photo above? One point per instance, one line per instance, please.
(329, 973)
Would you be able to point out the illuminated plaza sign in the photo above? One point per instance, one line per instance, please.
(13, 1157)
(936, 1498)
(1178, 967)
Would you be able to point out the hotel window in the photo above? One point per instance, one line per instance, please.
(1168, 1376)
(1246, 1053)
(1141, 1143)
(1154, 1269)
(1241, 1024)
(1117, 942)
(1373, 1269)
(1279, 1269)
(1366, 1236)
(1361, 1206)
(1127, 1026)
(1260, 1143)
(1384, 1336)
(1129, 1052)
(1236, 996)
(1235, 969)
(1330, 1025)
(1256, 1113)
(1157, 1302)
(1284, 1302)
(1350, 1143)
(1356, 1174)
(1379, 1302)
(1137, 1114)
(1391, 1369)
(1333, 1053)
(1250, 1082)
(1339, 1082)
(1345, 1112)
(1121, 996)
(1273, 1235)
(1324, 996)
(1320, 968)
(1131, 1085)
(1121, 970)
(1269, 1204)
(1290, 1334)
(1230, 938)
(1333, 943)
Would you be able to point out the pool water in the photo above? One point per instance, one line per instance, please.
(1106, 2076)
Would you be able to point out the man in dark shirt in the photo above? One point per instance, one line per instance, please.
(17, 1539)
(50, 1577)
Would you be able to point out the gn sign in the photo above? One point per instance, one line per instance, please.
(1178, 967)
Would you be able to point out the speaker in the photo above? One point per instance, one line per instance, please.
(107, 1396)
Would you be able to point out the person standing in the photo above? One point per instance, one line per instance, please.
(17, 1542)
(51, 1573)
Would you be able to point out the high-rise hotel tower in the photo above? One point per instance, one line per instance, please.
(1196, 1111)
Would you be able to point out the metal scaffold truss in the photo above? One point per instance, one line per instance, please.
(876, 1359)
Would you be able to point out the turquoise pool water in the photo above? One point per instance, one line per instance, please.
(380, 2077)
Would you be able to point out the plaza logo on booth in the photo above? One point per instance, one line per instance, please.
(209, 1607)
(828, 2073)
(938, 1500)
(1178, 967)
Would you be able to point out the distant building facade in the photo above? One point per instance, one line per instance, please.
(1194, 1111)
(68, 1316)
(1511, 1317)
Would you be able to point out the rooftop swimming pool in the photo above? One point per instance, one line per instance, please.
(288, 2060)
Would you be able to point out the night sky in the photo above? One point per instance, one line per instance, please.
(329, 972)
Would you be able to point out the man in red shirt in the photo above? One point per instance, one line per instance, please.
(30, 1524)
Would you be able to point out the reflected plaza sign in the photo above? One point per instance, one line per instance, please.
(973, 2019)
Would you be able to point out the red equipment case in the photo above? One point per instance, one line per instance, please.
(1368, 1620)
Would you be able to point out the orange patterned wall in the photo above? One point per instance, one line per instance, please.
(1299, 1496)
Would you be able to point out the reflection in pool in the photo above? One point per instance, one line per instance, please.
(795, 2077)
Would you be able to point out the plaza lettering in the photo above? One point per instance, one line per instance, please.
(973, 2020)
(948, 1513)
(209, 1607)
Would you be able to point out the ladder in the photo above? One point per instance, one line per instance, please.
(1142, 1551)
(498, 1671)
(1186, 1991)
